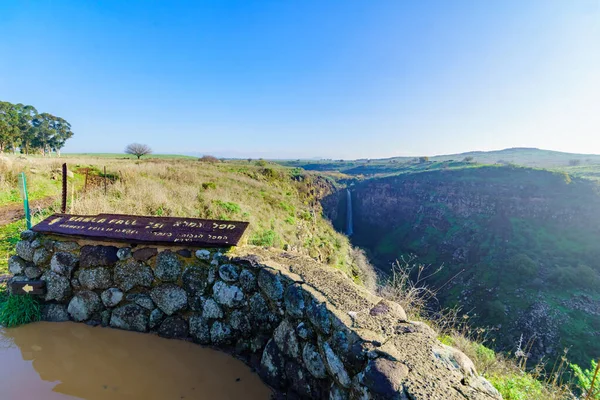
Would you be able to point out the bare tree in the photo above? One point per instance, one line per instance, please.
(138, 149)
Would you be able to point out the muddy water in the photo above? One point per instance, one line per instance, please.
(57, 361)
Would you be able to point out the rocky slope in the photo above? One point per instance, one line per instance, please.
(519, 246)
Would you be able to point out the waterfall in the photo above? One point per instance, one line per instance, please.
(349, 227)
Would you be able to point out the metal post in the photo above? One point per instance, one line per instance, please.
(63, 207)
(105, 180)
(23, 190)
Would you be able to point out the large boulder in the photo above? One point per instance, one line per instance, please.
(98, 256)
(270, 283)
(25, 250)
(95, 278)
(111, 297)
(383, 379)
(83, 305)
(220, 333)
(169, 298)
(228, 295)
(58, 287)
(313, 361)
(63, 263)
(168, 266)
(286, 339)
(229, 272)
(41, 256)
(174, 328)
(130, 317)
(199, 329)
(16, 265)
(195, 280)
(129, 274)
(55, 313)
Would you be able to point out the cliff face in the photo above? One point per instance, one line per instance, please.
(519, 247)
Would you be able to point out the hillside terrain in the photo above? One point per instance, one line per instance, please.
(519, 248)
(581, 165)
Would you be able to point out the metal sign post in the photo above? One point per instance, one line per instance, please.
(25, 197)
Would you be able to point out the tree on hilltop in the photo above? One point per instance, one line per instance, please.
(138, 149)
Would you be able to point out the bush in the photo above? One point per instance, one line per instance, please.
(423, 160)
(230, 207)
(261, 163)
(517, 386)
(523, 265)
(18, 310)
(209, 159)
(265, 238)
(468, 159)
(585, 378)
(209, 185)
(574, 162)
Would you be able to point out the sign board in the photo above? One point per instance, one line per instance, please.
(27, 287)
(139, 229)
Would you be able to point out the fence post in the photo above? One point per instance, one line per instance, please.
(25, 196)
(63, 207)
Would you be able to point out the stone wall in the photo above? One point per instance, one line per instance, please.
(307, 329)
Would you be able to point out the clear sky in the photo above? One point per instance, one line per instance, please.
(291, 79)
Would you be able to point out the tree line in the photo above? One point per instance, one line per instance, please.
(24, 129)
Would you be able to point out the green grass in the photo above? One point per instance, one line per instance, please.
(9, 236)
(517, 386)
(128, 156)
(18, 310)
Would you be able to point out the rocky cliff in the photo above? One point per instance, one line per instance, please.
(520, 247)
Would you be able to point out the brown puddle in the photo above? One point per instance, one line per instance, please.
(52, 361)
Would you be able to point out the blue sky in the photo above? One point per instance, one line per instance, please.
(291, 79)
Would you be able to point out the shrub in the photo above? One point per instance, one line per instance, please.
(230, 207)
(209, 185)
(585, 379)
(468, 159)
(524, 265)
(574, 162)
(517, 386)
(265, 238)
(423, 160)
(18, 310)
(261, 163)
(209, 159)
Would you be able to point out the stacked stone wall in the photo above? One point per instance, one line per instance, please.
(272, 315)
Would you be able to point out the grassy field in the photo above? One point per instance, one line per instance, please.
(280, 203)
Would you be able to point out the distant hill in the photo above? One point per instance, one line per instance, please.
(529, 157)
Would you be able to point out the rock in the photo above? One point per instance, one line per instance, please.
(269, 282)
(169, 298)
(454, 359)
(28, 235)
(294, 301)
(156, 317)
(258, 310)
(212, 275)
(105, 318)
(319, 316)
(229, 272)
(130, 317)
(54, 313)
(203, 255)
(228, 295)
(95, 278)
(383, 379)
(25, 250)
(194, 280)
(142, 300)
(239, 322)
(174, 328)
(75, 285)
(389, 308)
(305, 331)
(97, 256)
(65, 246)
(41, 256)
(33, 272)
(168, 266)
(36, 244)
(16, 265)
(63, 263)
(272, 365)
(57, 286)
(220, 333)
(286, 340)
(144, 254)
(302, 383)
(335, 366)
(184, 253)
(211, 310)
(111, 297)
(124, 253)
(199, 329)
(83, 305)
(337, 393)
(247, 281)
(130, 274)
(313, 361)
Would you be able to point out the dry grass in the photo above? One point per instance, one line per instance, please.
(407, 286)
(283, 210)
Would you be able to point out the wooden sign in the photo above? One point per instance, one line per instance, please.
(139, 229)
(28, 287)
